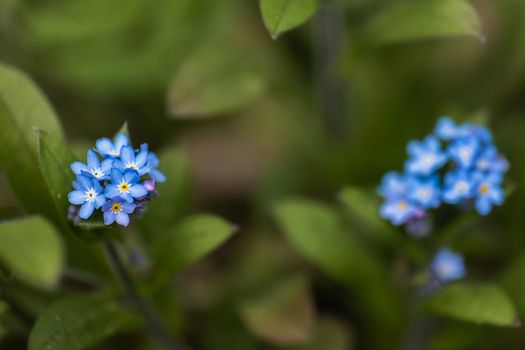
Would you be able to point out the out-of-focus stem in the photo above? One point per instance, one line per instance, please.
(149, 312)
(329, 31)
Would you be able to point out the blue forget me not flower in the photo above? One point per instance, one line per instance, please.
(119, 183)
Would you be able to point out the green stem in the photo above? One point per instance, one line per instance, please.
(151, 315)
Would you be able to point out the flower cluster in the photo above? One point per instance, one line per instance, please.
(456, 164)
(117, 179)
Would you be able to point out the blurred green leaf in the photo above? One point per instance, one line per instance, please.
(330, 334)
(135, 53)
(190, 240)
(77, 323)
(55, 158)
(67, 21)
(514, 283)
(316, 231)
(478, 303)
(282, 15)
(408, 20)
(33, 250)
(213, 81)
(281, 314)
(365, 207)
(174, 195)
(23, 108)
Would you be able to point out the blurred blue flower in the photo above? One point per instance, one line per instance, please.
(491, 161)
(107, 148)
(425, 156)
(117, 209)
(399, 211)
(393, 185)
(479, 132)
(94, 167)
(468, 172)
(426, 193)
(488, 192)
(446, 129)
(448, 266)
(125, 185)
(464, 151)
(88, 194)
(458, 186)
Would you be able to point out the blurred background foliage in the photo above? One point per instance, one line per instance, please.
(243, 124)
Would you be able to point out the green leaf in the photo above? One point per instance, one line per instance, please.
(173, 199)
(80, 322)
(514, 283)
(190, 240)
(22, 108)
(55, 158)
(408, 20)
(282, 15)
(330, 334)
(316, 231)
(365, 207)
(33, 250)
(282, 314)
(478, 303)
(214, 80)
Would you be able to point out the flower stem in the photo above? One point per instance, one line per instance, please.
(149, 312)
(328, 37)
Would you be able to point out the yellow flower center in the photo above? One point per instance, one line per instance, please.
(116, 207)
(402, 205)
(124, 187)
(483, 188)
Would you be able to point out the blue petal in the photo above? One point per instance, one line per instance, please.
(131, 177)
(127, 197)
(106, 165)
(122, 218)
(108, 204)
(76, 197)
(92, 159)
(116, 176)
(86, 210)
(84, 182)
(138, 191)
(128, 208)
(100, 200)
(158, 176)
(120, 141)
(141, 159)
(153, 160)
(78, 167)
(97, 186)
(112, 191)
(109, 218)
(127, 155)
(104, 146)
(117, 164)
